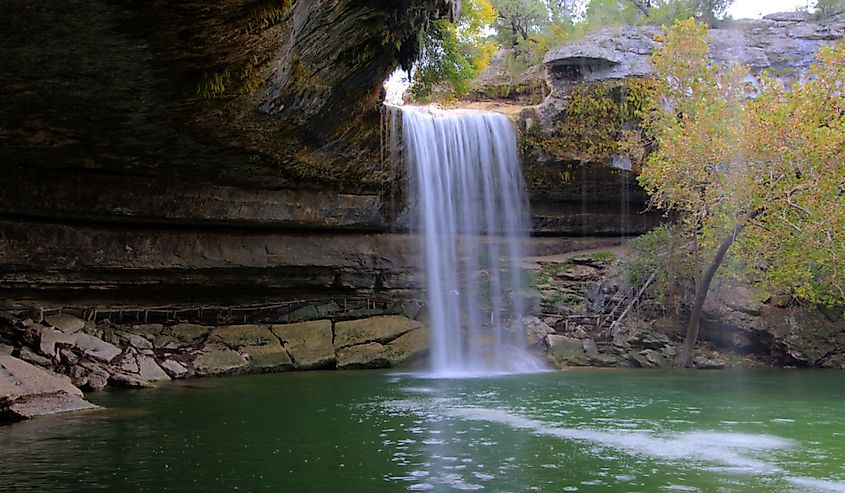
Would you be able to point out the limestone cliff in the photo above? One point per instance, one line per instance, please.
(573, 157)
(197, 143)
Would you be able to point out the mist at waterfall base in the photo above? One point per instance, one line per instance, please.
(468, 202)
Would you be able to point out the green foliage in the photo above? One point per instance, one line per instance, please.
(519, 20)
(617, 13)
(604, 256)
(453, 54)
(829, 8)
(664, 251)
(550, 270)
(602, 120)
(774, 164)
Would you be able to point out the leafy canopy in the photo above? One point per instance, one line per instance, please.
(454, 53)
(773, 163)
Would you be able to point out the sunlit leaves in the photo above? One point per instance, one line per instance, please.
(454, 53)
(723, 154)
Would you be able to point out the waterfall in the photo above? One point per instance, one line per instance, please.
(467, 198)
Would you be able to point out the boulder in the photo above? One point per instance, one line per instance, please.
(235, 336)
(27, 355)
(380, 329)
(308, 343)
(130, 380)
(590, 347)
(408, 348)
(219, 360)
(147, 331)
(370, 355)
(27, 391)
(97, 381)
(174, 368)
(136, 341)
(96, 376)
(709, 363)
(95, 348)
(566, 351)
(129, 363)
(185, 333)
(65, 323)
(149, 370)
(604, 359)
(86, 344)
(271, 357)
(48, 337)
(734, 319)
(535, 330)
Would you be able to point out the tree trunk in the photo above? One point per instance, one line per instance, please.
(643, 5)
(704, 286)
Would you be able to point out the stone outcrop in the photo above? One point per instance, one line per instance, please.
(377, 329)
(227, 91)
(578, 175)
(784, 332)
(380, 342)
(783, 44)
(192, 126)
(499, 82)
(584, 296)
(308, 343)
(27, 391)
(44, 364)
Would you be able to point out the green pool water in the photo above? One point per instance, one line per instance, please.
(591, 430)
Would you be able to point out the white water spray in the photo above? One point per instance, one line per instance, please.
(468, 196)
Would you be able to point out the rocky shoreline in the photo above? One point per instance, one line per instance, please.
(48, 362)
(584, 296)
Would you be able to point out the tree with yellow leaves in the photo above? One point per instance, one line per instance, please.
(765, 171)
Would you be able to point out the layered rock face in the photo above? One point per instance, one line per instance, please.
(572, 150)
(229, 145)
(736, 319)
(43, 364)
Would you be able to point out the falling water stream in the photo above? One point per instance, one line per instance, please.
(470, 208)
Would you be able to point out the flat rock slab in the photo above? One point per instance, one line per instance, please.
(370, 355)
(374, 329)
(185, 332)
(308, 343)
(244, 335)
(566, 351)
(95, 348)
(267, 358)
(65, 323)
(135, 340)
(35, 405)
(174, 368)
(19, 378)
(219, 361)
(149, 370)
(89, 345)
(409, 347)
(27, 391)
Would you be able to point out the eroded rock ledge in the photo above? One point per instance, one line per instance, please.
(241, 92)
